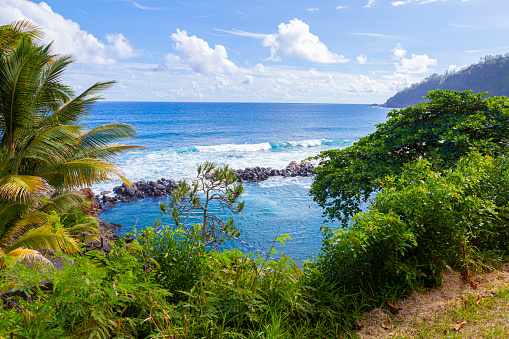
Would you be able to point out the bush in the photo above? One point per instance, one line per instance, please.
(442, 131)
(175, 260)
(420, 223)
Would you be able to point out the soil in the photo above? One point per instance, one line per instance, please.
(432, 304)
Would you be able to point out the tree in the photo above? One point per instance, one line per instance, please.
(44, 155)
(441, 131)
(214, 184)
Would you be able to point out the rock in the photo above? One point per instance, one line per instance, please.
(94, 208)
(60, 262)
(161, 187)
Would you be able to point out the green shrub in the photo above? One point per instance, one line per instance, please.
(420, 223)
(442, 131)
(175, 260)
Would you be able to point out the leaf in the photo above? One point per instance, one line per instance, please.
(474, 284)
(393, 308)
(478, 300)
(386, 325)
(457, 327)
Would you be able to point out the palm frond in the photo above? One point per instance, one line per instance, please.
(82, 173)
(11, 34)
(10, 213)
(108, 152)
(64, 202)
(45, 237)
(74, 110)
(53, 145)
(105, 134)
(28, 257)
(21, 187)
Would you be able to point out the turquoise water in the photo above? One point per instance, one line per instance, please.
(180, 135)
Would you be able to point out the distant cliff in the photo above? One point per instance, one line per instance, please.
(490, 75)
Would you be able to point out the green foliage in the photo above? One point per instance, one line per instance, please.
(214, 185)
(44, 154)
(441, 131)
(176, 261)
(489, 75)
(421, 223)
(131, 295)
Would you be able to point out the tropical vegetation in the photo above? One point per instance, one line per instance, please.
(45, 156)
(441, 131)
(435, 176)
(490, 75)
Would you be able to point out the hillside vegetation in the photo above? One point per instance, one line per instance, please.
(440, 172)
(490, 75)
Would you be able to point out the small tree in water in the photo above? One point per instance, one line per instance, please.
(194, 200)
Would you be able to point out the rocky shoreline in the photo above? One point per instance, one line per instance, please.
(143, 189)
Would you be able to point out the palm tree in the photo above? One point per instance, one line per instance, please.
(44, 154)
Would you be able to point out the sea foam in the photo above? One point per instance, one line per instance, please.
(153, 164)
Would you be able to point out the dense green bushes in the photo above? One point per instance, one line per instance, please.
(164, 286)
(441, 131)
(420, 223)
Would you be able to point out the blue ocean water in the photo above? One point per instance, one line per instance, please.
(178, 136)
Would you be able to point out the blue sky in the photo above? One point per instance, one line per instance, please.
(342, 51)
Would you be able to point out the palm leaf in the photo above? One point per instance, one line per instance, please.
(27, 257)
(45, 237)
(105, 134)
(108, 152)
(82, 173)
(21, 187)
(73, 111)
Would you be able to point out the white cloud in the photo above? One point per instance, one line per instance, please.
(313, 9)
(399, 81)
(277, 83)
(399, 52)
(370, 3)
(466, 26)
(200, 57)
(420, 2)
(400, 3)
(452, 67)
(294, 40)
(361, 59)
(248, 80)
(140, 6)
(341, 7)
(259, 68)
(377, 35)
(242, 33)
(67, 35)
(364, 84)
(120, 46)
(416, 64)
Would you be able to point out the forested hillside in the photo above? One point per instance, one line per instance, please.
(490, 75)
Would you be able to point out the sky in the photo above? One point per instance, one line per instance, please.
(321, 51)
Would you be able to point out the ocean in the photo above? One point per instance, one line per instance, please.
(178, 136)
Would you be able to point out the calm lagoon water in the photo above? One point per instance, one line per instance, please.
(180, 135)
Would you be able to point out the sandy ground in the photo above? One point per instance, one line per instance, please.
(381, 323)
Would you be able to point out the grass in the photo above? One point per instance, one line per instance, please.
(478, 308)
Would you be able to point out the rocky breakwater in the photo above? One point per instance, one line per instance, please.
(143, 189)
(257, 174)
(138, 190)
